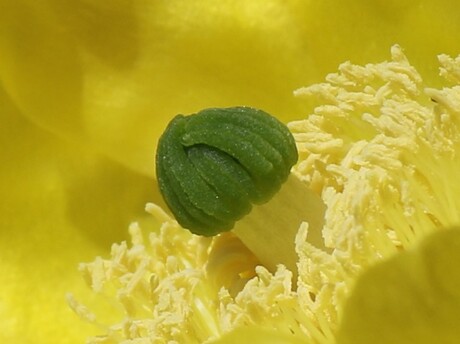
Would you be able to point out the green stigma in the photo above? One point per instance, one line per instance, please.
(214, 165)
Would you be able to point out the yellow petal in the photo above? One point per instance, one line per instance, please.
(412, 298)
(114, 73)
(255, 335)
(59, 205)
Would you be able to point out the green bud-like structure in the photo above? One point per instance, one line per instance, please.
(213, 166)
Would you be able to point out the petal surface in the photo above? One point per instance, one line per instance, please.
(254, 334)
(411, 298)
(59, 205)
(114, 73)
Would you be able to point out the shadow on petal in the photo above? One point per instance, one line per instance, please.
(104, 201)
